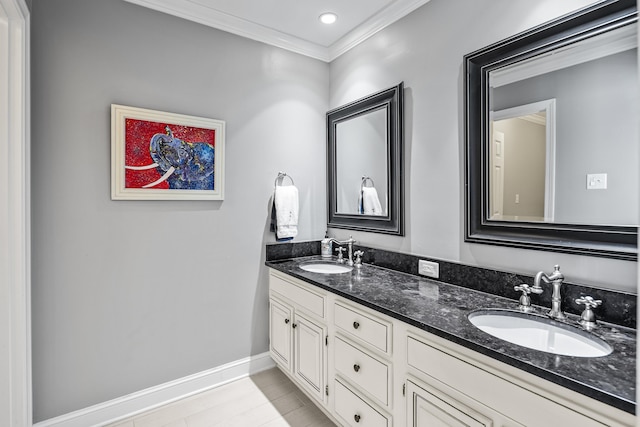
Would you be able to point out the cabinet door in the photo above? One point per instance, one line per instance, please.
(435, 409)
(280, 333)
(309, 366)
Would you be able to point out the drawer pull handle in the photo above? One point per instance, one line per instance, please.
(356, 367)
(356, 325)
(357, 418)
(294, 325)
(286, 321)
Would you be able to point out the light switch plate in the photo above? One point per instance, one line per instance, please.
(597, 181)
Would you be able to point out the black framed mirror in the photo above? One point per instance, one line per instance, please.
(364, 163)
(572, 83)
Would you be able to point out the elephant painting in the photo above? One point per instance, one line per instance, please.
(164, 160)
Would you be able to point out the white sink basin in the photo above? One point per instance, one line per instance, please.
(539, 333)
(325, 267)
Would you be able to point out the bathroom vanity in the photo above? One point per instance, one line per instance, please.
(377, 347)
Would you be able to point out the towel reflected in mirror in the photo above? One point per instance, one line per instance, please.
(369, 203)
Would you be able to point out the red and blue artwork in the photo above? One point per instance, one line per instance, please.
(168, 156)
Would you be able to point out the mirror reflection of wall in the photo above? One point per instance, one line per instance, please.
(596, 132)
(361, 151)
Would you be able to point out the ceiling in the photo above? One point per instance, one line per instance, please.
(293, 24)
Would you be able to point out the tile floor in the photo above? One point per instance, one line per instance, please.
(266, 399)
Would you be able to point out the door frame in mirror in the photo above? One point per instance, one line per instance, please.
(393, 222)
(618, 242)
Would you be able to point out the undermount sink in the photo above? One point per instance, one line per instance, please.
(325, 267)
(539, 333)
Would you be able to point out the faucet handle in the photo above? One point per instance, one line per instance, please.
(525, 299)
(527, 289)
(340, 249)
(358, 255)
(588, 318)
(588, 302)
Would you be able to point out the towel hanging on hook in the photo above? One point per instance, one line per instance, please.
(284, 211)
(368, 201)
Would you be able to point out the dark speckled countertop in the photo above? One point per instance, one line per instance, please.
(442, 309)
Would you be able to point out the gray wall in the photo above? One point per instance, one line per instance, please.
(596, 132)
(130, 294)
(425, 50)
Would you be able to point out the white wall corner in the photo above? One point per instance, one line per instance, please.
(135, 403)
(15, 360)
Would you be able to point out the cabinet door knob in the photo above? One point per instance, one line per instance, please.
(356, 367)
(294, 325)
(356, 325)
(357, 418)
(286, 320)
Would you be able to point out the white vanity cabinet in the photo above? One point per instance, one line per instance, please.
(379, 371)
(298, 333)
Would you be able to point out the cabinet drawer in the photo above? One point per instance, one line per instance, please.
(363, 370)
(355, 411)
(428, 406)
(363, 326)
(301, 297)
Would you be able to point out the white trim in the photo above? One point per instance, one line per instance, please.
(549, 107)
(202, 14)
(15, 353)
(378, 22)
(154, 397)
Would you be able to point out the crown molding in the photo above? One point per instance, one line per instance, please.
(379, 21)
(196, 12)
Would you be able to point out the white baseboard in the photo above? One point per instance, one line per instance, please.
(153, 397)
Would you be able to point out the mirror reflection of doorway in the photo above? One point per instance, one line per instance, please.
(522, 163)
(497, 174)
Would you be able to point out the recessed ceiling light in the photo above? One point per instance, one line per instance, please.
(328, 18)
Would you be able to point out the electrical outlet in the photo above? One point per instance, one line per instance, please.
(428, 268)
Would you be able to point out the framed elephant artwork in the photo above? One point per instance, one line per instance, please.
(165, 156)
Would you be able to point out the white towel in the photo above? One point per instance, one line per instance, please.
(285, 199)
(370, 202)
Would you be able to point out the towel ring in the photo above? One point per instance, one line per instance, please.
(364, 181)
(282, 175)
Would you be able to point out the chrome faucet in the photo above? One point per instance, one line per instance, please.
(349, 242)
(556, 299)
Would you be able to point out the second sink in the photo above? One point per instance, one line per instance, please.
(539, 333)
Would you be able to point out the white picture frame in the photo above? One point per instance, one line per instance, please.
(156, 155)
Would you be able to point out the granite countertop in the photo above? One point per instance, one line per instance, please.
(442, 309)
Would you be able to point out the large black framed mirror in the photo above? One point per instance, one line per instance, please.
(551, 130)
(364, 163)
